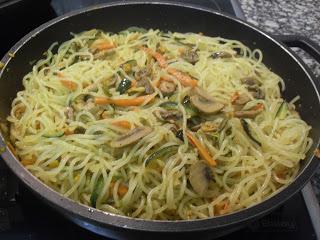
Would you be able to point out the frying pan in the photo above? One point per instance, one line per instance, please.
(174, 16)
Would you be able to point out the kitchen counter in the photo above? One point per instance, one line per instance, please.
(301, 17)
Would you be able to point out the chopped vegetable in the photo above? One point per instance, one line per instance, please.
(246, 128)
(317, 153)
(169, 105)
(128, 65)
(122, 123)
(167, 88)
(161, 152)
(222, 55)
(101, 44)
(190, 56)
(69, 84)
(194, 123)
(159, 58)
(248, 113)
(282, 111)
(205, 105)
(124, 85)
(122, 190)
(54, 134)
(28, 161)
(171, 116)
(53, 164)
(190, 110)
(179, 134)
(200, 177)
(96, 191)
(202, 150)
(185, 79)
(130, 137)
(124, 102)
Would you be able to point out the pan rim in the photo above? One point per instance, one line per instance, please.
(115, 220)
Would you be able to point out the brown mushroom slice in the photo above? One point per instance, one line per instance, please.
(190, 56)
(131, 137)
(205, 105)
(200, 177)
(242, 99)
(168, 116)
(167, 87)
(247, 113)
(223, 54)
(257, 93)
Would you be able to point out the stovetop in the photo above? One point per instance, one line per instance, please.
(24, 216)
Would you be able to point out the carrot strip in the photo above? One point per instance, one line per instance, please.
(122, 123)
(102, 44)
(69, 84)
(259, 106)
(28, 161)
(60, 74)
(202, 150)
(125, 102)
(158, 56)
(185, 79)
(234, 97)
(122, 190)
(10, 146)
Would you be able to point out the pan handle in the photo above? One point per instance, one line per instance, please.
(301, 42)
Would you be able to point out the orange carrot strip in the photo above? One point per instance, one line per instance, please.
(158, 56)
(125, 102)
(259, 106)
(185, 79)
(102, 44)
(122, 123)
(69, 84)
(12, 149)
(122, 190)
(28, 161)
(60, 74)
(202, 150)
(234, 97)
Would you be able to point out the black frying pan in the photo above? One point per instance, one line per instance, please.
(174, 17)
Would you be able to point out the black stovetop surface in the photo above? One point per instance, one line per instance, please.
(24, 216)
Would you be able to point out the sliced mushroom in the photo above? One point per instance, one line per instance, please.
(143, 77)
(258, 93)
(190, 56)
(250, 81)
(167, 87)
(204, 102)
(69, 112)
(242, 99)
(131, 137)
(205, 105)
(168, 116)
(200, 177)
(223, 54)
(247, 113)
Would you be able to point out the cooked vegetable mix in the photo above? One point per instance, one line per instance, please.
(157, 125)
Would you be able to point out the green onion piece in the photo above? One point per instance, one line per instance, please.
(96, 191)
(282, 111)
(54, 134)
(160, 153)
(246, 128)
(169, 105)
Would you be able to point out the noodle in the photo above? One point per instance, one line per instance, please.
(68, 139)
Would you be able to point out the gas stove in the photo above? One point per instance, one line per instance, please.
(24, 216)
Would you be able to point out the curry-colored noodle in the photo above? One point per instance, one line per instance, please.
(157, 125)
